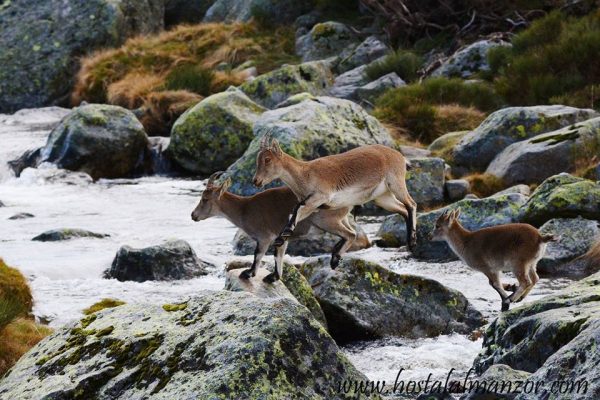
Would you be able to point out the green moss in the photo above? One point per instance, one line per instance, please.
(85, 322)
(15, 295)
(102, 304)
(174, 307)
(105, 331)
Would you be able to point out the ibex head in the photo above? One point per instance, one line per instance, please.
(268, 161)
(209, 202)
(443, 224)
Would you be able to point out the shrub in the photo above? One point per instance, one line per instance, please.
(402, 62)
(180, 59)
(102, 304)
(429, 109)
(555, 60)
(15, 295)
(17, 338)
(484, 185)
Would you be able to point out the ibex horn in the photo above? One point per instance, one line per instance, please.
(213, 177)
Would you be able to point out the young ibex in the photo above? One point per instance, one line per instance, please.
(263, 215)
(512, 248)
(366, 173)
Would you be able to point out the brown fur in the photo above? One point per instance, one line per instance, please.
(512, 248)
(263, 215)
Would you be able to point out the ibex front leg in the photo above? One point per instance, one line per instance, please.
(301, 211)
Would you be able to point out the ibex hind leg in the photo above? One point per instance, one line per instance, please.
(259, 252)
(278, 272)
(288, 229)
(398, 188)
(343, 229)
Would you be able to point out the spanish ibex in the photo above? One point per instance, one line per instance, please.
(262, 217)
(373, 172)
(512, 248)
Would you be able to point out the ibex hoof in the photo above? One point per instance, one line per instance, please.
(335, 261)
(247, 274)
(412, 241)
(272, 277)
(505, 305)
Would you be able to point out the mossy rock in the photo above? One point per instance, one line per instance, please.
(425, 181)
(270, 12)
(15, 295)
(274, 87)
(214, 133)
(548, 335)
(468, 60)
(562, 196)
(326, 39)
(504, 127)
(222, 345)
(101, 140)
(443, 146)
(42, 42)
(308, 130)
(475, 214)
(363, 300)
(56, 235)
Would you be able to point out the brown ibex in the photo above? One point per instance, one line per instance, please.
(515, 248)
(373, 172)
(262, 217)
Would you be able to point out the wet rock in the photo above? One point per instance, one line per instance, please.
(49, 173)
(161, 162)
(103, 141)
(457, 189)
(521, 189)
(42, 42)
(535, 159)
(29, 159)
(575, 237)
(324, 40)
(292, 285)
(2, 204)
(308, 130)
(372, 90)
(468, 60)
(276, 86)
(475, 214)
(216, 345)
(315, 242)
(493, 379)
(271, 11)
(363, 300)
(214, 133)
(368, 51)
(562, 196)
(504, 127)
(22, 215)
(185, 11)
(553, 335)
(55, 235)
(425, 180)
(171, 260)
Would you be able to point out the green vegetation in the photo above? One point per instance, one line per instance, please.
(421, 109)
(102, 304)
(402, 62)
(554, 61)
(193, 78)
(18, 333)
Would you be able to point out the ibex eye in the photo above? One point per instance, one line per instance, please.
(267, 160)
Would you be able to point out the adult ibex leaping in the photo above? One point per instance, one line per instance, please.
(373, 172)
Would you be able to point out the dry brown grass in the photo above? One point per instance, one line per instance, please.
(453, 117)
(484, 185)
(17, 338)
(126, 75)
(161, 110)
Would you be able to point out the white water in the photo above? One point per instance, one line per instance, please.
(67, 276)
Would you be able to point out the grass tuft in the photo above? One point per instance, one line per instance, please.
(404, 63)
(102, 304)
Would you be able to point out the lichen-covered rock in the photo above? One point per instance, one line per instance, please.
(346, 84)
(521, 189)
(457, 189)
(562, 196)
(55, 235)
(217, 345)
(372, 90)
(103, 141)
(468, 60)
(368, 51)
(308, 130)
(475, 214)
(315, 242)
(214, 133)
(510, 125)
(271, 11)
(535, 159)
(444, 145)
(296, 99)
(499, 382)
(326, 39)
(42, 41)
(172, 260)
(276, 86)
(363, 300)
(292, 285)
(547, 334)
(185, 11)
(425, 180)
(574, 238)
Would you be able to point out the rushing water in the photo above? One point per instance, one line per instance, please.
(67, 276)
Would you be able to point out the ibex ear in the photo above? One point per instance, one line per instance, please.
(275, 148)
(457, 213)
(224, 186)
